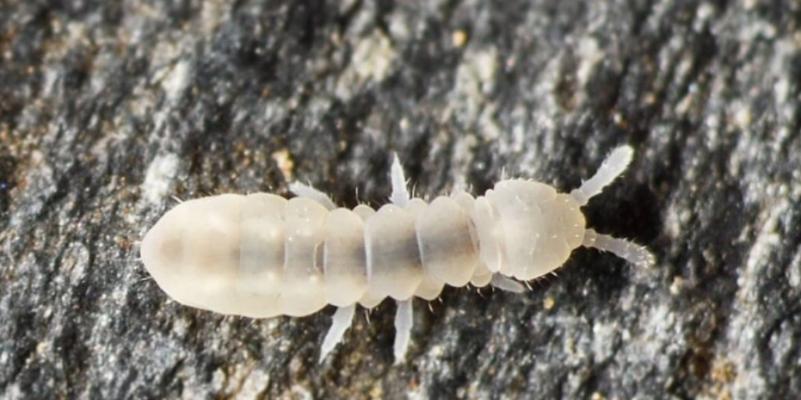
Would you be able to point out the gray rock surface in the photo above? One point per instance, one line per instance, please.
(110, 109)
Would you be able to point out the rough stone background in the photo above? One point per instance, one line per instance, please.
(110, 109)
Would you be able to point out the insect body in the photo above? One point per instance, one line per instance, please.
(261, 255)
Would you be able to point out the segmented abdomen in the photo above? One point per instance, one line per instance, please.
(310, 256)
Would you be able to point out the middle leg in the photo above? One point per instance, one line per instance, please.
(403, 329)
(400, 194)
(404, 315)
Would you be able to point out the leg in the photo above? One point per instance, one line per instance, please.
(341, 322)
(510, 285)
(400, 195)
(612, 167)
(625, 249)
(309, 192)
(403, 329)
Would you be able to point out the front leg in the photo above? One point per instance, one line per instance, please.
(504, 283)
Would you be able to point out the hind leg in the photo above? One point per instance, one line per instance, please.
(342, 319)
(302, 190)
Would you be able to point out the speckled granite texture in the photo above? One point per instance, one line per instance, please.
(108, 110)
